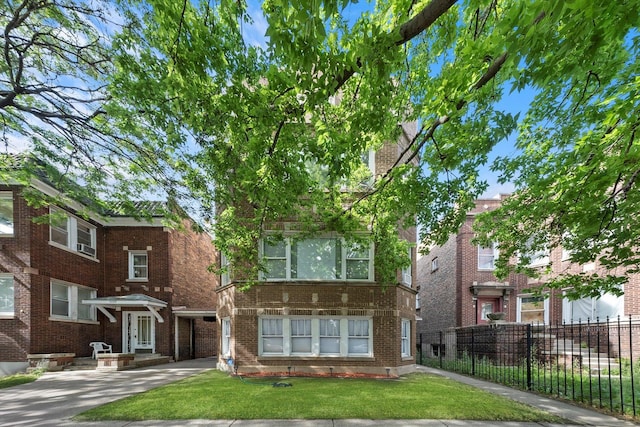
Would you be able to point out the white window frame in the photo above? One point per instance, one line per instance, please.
(287, 348)
(132, 267)
(73, 302)
(539, 257)
(434, 264)
(72, 223)
(329, 336)
(226, 337)
(494, 256)
(407, 271)
(225, 275)
(405, 338)
(6, 279)
(594, 303)
(282, 336)
(8, 195)
(343, 261)
(545, 307)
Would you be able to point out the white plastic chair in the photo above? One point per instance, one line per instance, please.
(99, 347)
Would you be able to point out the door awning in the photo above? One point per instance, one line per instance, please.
(135, 300)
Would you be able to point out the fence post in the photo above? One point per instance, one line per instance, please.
(473, 354)
(529, 361)
(440, 350)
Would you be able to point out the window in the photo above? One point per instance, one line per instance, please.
(532, 309)
(226, 337)
(66, 302)
(406, 271)
(7, 294)
(315, 336)
(329, 336)
(359, 337)
(300, 335)
(138, 265)
(536, 256)
(608, 305)
(6, 213)
(357, 261)
(434, 264)
(316, 259)
(320, 258)
(275, 254)
(272, 336)
(487, 256)
(225, 276)
(405, 333)
(72, 233)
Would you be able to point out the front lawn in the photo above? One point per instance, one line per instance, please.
(17, 379)
(216, 395)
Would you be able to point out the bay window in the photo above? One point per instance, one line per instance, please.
(315, 336)
(320, 258)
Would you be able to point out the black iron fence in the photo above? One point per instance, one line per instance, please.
(595, 363)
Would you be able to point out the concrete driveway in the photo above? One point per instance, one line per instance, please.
(57, 396)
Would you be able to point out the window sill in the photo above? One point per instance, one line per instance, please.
(68, 320)
(303, 358)
(138, 280)
(68, 249)
(7, 316)
(407, 358)
(8, 236)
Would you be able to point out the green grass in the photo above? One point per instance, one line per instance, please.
(17, 379)
(215, 395)
(608, 393)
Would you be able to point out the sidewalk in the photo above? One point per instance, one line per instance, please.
(57, 396)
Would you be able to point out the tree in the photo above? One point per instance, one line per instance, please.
(237, 122)
(56, 55)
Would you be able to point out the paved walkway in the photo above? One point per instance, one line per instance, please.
(57, 396)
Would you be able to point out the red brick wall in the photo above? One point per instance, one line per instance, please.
(15, 338)
(177, 276)
(386, 307)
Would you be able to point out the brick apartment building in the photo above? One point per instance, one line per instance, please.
(320, 309)
(136, 285)
(457, 287)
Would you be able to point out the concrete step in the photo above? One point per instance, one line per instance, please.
(150, 360)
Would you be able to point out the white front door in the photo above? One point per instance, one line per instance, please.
(138, 332)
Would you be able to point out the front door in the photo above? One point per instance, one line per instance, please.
(486, 306)
(139, 332)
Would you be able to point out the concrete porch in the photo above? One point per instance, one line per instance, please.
(137, 361)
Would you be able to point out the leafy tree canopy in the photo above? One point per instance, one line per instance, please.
(278, 130)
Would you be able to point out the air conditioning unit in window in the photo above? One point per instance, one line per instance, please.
(86, 249)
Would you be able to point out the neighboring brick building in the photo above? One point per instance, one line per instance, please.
(458, 288)
(146, 288)
(320, 309)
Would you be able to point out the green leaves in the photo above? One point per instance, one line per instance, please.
(187, 108)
